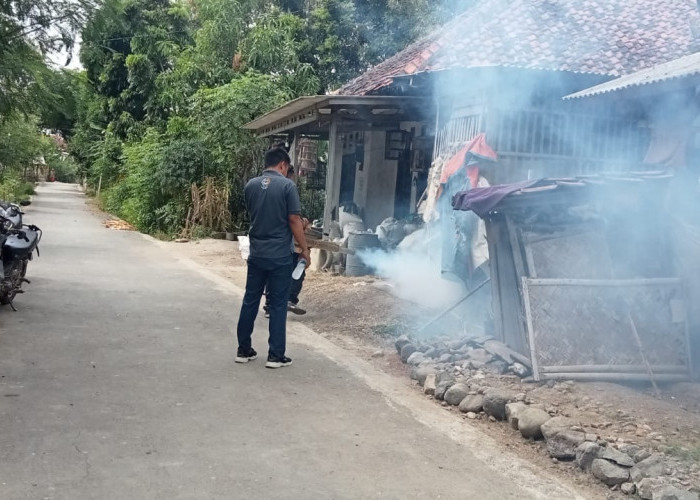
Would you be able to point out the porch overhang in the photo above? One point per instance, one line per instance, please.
(311, 115)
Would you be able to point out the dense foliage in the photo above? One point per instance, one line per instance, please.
(33, 96)
(167, 85)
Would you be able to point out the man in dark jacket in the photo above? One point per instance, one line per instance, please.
(273, 204)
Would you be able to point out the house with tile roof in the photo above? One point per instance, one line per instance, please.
(500, 68)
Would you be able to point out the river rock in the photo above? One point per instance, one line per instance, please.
(431, 353)
(647, 486)
(609, 473)
(530, 422)
(628, 488)
(442, 388)
(456, 394)
(630, 449)
(520, 370)
(561, 440)
(556, 425)
(563, 444)
(446, 377)
(400, 342)
(617, 457)
(456, 344)
(497, 366)
(406, 351)
(586, 453)
(641, 455)
(430, 384)
(472, 403)
(445, 380)
(654, 466)
(513, 411)
(481, 355)
(670, 492)
(419, 373)
(415, 358)
(495, 401)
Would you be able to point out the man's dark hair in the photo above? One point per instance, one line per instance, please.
(276, 156)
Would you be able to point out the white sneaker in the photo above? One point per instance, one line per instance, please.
(274, 362)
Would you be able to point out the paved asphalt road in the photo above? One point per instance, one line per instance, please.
(117, 381)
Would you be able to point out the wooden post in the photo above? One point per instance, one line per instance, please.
(99, 187)
(530, 328)
(333, 172)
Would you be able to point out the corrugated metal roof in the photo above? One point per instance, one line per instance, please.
(678, 68)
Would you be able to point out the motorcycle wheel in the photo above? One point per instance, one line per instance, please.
(25, 264)
(12, 275)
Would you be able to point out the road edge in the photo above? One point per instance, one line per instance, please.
(540, 484)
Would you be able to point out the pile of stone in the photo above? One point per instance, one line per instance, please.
(454, 372)
(464, 355)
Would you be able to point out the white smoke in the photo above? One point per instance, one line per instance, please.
(414, 271)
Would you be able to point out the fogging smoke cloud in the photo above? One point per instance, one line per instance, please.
(415, 273)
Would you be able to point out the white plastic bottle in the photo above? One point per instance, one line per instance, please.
(296, 274)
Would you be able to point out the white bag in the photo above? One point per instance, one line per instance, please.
(244, 246)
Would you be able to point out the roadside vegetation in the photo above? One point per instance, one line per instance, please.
(155, 114)
(36, 101)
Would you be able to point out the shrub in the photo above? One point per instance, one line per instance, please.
(14, 189)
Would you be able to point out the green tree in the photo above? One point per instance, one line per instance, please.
(217, 116)
(275, 46)
(21, 145)
(167, 87)
(127, 44)
(21, 142)
(29, 29)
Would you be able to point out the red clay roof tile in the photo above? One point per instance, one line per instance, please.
(557, 35)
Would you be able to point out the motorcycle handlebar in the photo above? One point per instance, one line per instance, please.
(18, 232)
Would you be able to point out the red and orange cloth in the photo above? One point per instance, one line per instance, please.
(477, 150)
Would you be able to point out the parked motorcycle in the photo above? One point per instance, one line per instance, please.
(12, 212)
(17, 245)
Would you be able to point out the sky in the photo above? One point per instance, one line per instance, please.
(58, 59)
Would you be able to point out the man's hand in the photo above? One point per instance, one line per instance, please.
(306, 254)
(297, 227)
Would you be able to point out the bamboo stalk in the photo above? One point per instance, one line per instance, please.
(453, 307)
(613, 369)
(615, 377)
(604, 282)
(643, 354)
